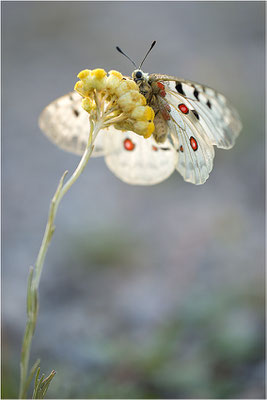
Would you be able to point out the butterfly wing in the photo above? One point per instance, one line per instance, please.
(130, 157)
(66, 124)
(195, 152)
(200, 117)
(214, 112)
(139, 161)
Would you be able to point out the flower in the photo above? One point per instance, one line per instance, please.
(116, 100)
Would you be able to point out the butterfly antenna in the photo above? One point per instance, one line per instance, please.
(151, 47)
(120, 51)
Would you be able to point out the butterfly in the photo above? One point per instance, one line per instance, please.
(190, 119)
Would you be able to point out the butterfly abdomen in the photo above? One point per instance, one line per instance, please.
(161, 128)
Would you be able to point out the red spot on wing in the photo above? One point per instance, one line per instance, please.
(182, 107)
(154, 148)
(181, 149)
(193, 143)
(128, 145)
(160, 86)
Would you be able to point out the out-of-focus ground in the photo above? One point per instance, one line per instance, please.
(147, 292)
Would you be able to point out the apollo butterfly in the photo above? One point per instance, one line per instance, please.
(189, 120)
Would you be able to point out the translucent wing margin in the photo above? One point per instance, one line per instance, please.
(66, 124)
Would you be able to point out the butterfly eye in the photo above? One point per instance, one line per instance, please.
(138, 74)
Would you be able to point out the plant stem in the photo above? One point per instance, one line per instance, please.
(35, 273)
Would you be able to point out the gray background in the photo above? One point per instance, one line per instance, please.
(146, 291)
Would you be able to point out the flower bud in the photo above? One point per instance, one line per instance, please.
(143, 113)
(98, 78)
(88, 105)
(82, 89)
(84, 74)
(144, 128)
(125, 86)
(112, 82)
(130, 100)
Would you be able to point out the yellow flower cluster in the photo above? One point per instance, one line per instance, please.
(126, 106)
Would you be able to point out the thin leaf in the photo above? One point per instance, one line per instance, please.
(31, 374)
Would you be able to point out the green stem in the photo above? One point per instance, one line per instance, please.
(35, 273)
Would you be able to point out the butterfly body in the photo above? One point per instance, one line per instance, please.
(154, 92)
(189, 120)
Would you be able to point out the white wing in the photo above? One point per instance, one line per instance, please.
(200, 118)
(210, 120)
(139, 161)
(195, 152)
(217, 116)
(130, 157)
(66, 124)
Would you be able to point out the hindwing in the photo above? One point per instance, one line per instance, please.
(66, 124)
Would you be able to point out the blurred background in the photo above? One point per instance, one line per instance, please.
(147, 292)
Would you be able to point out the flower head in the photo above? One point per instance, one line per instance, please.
(115, 100)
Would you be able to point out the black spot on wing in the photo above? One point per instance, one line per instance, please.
(196, 94)
(76, 113)
(195, 113)
(165, 148)
(209, 104)
(179, 88)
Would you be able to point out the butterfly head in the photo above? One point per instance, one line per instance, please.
(139, 76)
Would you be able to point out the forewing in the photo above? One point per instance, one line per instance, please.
(195, 152)
(66, 124)
(139, 161)
(219, 119)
